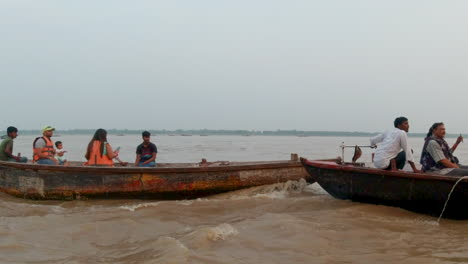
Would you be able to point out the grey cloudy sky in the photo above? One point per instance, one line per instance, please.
(245, 64)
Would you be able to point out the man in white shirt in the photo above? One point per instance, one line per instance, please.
(393, 150)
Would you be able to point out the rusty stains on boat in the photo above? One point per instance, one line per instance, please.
(167, 181)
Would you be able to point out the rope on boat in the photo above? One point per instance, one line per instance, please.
(450, 194)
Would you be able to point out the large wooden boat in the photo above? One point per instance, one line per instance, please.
(167, 181)
(418, 192)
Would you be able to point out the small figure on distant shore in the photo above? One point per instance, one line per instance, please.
(393, 150)
(43, 148)
(99, 151)
(146, 152)
(6, 147)
(60, 153)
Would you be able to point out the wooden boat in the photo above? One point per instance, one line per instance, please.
(418, 192)
(167, 181)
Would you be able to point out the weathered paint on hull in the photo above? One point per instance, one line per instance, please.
(55, 182)
(420, 193)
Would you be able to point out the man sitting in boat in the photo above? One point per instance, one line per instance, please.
(437, 156)
(146, 152)
(6, 147)
(43, 148)
(394, 150)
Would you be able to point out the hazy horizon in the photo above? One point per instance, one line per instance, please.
(263, 65)
(221, 132)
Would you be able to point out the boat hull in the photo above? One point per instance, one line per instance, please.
(423, 193)
(78, 182)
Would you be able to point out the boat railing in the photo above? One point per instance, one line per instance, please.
(357, 152)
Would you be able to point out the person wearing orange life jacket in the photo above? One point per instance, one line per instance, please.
(43, 148)
(99, 152)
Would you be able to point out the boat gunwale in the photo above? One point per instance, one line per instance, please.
(234, 166)
(327, 164)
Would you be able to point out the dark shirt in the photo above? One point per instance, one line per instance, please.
(146, 151)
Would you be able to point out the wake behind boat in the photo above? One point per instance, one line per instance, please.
(167, 181)
(418, 192)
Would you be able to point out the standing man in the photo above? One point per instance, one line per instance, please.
(6, 147)
(43, 148)
(393, 150)
(146, 152)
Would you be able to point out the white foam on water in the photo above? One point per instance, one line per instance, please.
(315, 189)
(221, 232)
(185, 202)
(204, 237)
(273, 191)
(132, 208)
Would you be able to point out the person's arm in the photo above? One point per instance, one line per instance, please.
(413, 166)
(377, 139)
(454, 147)
(153, 158)
(137, 160)
(448, 164)
(110, 153)
(435, 150)
(44, 155)
(408, 152)
(9, 151)
(138, 155)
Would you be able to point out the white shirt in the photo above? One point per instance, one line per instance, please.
(62, 158)
(391, 142)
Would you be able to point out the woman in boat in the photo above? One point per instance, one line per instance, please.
(99, 152)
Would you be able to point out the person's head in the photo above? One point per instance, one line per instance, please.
(12, 132)
(437, 130)
(58, 144)
(146, 136)
(48, 131)
(100, 135)
(401, 123)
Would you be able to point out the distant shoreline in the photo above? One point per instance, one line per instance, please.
(211, 132)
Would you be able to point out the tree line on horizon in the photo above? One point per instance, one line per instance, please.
(221, 132)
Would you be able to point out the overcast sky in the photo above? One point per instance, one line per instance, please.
(244, 64)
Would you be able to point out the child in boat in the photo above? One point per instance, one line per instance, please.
(60, 153)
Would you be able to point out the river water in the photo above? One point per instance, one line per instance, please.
(284, 223)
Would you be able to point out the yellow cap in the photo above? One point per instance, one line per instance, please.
(48, 128)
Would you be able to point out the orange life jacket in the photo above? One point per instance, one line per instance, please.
(95, 157)
(48, 148)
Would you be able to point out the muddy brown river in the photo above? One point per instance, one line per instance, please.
(284, 223)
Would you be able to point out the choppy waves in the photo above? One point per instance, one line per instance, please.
(288, 222)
